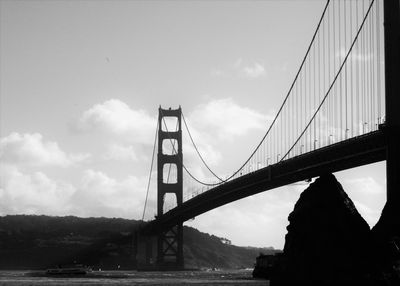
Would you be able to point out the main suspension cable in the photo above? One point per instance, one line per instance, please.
(334, 80)
(183, 165)
(151, 170)
(276, 116)
(197, 150)
(284, 101)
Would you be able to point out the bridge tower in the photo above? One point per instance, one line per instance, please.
(392, 99)
(170, 241)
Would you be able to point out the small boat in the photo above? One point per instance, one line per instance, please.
(76, 269)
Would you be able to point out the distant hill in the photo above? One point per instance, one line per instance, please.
(39, 242)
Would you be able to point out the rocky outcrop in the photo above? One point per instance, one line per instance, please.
(328, 242)
(386, 238)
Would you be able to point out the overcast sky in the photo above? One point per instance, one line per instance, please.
(80, 87)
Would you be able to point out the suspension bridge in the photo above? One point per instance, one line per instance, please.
(340, 111)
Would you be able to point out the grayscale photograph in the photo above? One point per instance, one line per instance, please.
(200, 142)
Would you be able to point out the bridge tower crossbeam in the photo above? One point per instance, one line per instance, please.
(170, 241)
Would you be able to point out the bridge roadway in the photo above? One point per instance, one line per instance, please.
(354, 152)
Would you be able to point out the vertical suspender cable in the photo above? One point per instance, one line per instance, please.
(340, 109)
(363, 76)
(329, 78)
(345, 70)
(351, 75)
(378, 52)
(358, 75)
(371, 74)
(336, 76)
(324, 64)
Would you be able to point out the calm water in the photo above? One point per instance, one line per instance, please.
(234, 277)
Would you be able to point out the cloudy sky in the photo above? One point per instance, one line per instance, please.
(80, 87)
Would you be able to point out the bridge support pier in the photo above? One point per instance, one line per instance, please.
(143, 250)
(170, 241)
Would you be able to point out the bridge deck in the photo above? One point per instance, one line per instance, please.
(354, 152)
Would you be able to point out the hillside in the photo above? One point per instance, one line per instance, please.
(38, 242)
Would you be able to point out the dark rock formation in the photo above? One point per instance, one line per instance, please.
(328, 242)
(386, 236)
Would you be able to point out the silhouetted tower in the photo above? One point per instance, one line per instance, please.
(170, 242)
(392, 85)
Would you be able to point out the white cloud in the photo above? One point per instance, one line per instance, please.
(366, 185)
(33, 150)
(254, 71)
(101, 195)
(225, 118)
(241, 68)
(116, 117)
(249, 70)
(32, 193)
(121, 153)
(97, 194)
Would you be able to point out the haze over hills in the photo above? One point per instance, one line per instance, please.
(39, 242)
